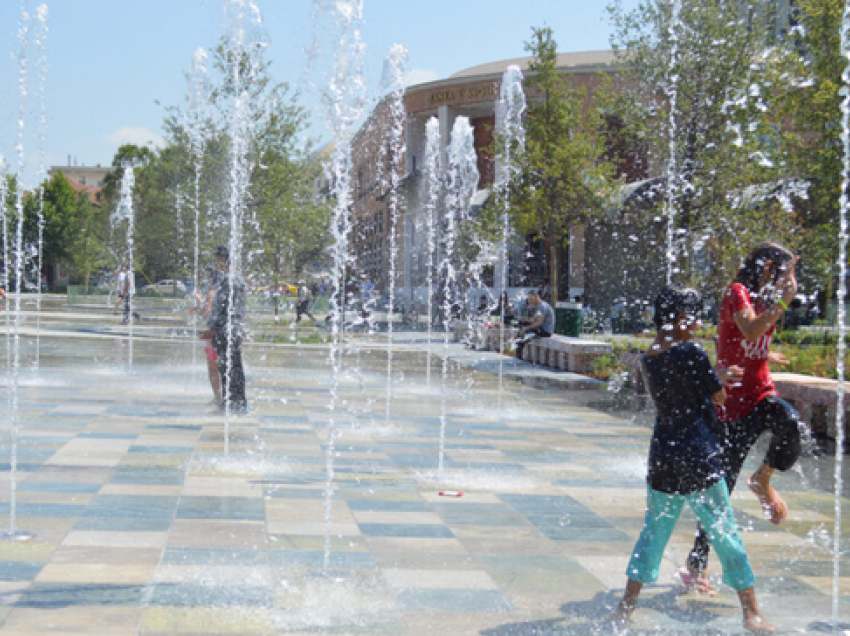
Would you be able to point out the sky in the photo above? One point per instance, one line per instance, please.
(113, 66)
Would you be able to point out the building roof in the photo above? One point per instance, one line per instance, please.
(583, 60)
(95, 170)
(90, 190)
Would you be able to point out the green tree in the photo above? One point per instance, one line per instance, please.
(708, 80)
(291, 225)
(86, 246)
(813, 106)
(562, 172)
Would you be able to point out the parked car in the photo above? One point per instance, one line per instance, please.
(167, 286)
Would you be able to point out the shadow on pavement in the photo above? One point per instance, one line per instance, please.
(594, 612)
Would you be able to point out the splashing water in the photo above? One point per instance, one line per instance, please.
(245, 42)
(4, 192)
(124, 214)
(511, 133)
(394, 68)
(434, 187)
(41, 43)
(23, 40)
(671, 89)
(344, 100)
(842, 317)
(461, 181)
(198, 97)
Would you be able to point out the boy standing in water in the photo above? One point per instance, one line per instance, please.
(685, 457)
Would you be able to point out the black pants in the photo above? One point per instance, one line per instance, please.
(126, 320)
(539, 332)
(301, 308)
(771, 414)
(231, 370)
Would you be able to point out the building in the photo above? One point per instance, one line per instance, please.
(472, 93)
(89, 176)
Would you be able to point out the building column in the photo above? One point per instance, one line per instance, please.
(577, 260)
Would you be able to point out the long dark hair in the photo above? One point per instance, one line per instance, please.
(751, 270)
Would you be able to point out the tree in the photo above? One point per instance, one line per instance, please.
(708, 77)
(814, 106)
(561, 173)
(86, 245)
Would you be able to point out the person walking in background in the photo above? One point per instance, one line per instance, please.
(226, 329)
(204, 309)
(757, 297)
(303, 304)
(127, 289)
(684, 462)
(119, 287)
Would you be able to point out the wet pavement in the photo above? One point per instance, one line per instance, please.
(153, 516)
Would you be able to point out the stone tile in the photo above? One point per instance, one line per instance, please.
(404, 544)
(102, 573)
(108, 539)
(68, 554)
(453, 600)
(197, 620)
(115, 621)
(191, 533)
(439, 579)
(369, 517)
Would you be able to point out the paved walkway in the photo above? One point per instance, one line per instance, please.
(152, 517)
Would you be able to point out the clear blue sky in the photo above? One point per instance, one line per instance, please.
(110, 61)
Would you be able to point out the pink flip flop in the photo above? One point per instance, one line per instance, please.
(777, 509)
(699, 584)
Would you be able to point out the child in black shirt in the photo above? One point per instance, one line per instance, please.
(685, 457)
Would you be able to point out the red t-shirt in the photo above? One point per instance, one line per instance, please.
(735, 350)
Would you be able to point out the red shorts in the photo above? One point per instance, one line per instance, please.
(210, 351)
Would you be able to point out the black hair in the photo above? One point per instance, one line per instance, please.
(751, 270)
(223, 252)
(672, 302)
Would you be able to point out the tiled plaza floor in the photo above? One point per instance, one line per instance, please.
(152, 517)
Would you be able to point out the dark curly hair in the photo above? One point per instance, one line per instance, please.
(672, 302)
(751, 270)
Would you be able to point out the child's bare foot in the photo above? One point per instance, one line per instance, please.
(755, 623)
(770, 500)
(620, 615)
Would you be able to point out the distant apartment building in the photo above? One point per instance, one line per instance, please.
(88, 179)
(91, 176)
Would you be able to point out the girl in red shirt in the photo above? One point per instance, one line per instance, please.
(758, 296)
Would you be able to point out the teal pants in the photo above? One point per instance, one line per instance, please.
(714, 510)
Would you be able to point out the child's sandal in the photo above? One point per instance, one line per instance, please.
(699, 584)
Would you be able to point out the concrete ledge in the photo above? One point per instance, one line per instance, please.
(815, 398)
(564, 353)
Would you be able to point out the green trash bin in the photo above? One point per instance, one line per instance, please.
(568, 319)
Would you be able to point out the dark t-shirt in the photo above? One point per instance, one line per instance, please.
(684, 454)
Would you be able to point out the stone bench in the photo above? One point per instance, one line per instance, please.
(815, 398)
(565, 353)
(558, 352)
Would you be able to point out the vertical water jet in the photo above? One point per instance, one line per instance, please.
(394, 149)
(461, 181)
(510, 134)
(433, 168)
